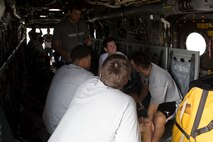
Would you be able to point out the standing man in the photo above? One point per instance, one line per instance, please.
(99, 111)
(162, 88)
(70, 32)
(64, 85)
(47, 43)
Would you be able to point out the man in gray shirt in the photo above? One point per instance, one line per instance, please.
(162, 88)
(70, 32)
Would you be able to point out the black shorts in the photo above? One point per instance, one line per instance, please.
(167, 108)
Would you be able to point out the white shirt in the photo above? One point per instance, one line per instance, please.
(98, 114)
(62, 89)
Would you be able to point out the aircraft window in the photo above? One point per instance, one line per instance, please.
(196, 42)
(44, 31)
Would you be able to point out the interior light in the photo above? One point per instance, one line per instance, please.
(95, 33)
(196, 42)
(54, 9)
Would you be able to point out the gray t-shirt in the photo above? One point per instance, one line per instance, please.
(70, 34)
(161, 86)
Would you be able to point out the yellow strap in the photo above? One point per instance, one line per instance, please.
(183, 109)
(182, 137)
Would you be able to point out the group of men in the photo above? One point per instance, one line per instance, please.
(81, 106)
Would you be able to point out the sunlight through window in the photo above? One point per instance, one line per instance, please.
(196, 42)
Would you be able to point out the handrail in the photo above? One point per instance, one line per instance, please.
(11, 56)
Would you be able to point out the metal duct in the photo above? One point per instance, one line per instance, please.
(187, 7)
(2, 8)
(15, 12)
(165, 9)
(43, 21)
(12, 4)
(5, 21)
(132, 11)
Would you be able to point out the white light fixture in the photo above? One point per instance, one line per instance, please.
(54, 9)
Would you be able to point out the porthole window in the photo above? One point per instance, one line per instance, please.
(196, 42)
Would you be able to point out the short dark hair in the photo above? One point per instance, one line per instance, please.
(79, 52)
(108, 39)
(75, 5)
(115, 71)
(35, 36)
(142, 58)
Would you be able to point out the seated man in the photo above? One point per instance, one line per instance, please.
(99, 111)
(64, 85)
(110, 48)
(162, 88)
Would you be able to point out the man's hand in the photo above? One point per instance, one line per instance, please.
(145, 124)
(146, 128)
(88, 42)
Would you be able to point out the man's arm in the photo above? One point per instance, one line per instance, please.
(152, 111)
(144, 91)
(56, 45)
(88, 42)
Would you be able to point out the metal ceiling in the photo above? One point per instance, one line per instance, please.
(37, 11)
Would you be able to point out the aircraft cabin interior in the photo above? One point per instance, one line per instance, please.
(177, 33)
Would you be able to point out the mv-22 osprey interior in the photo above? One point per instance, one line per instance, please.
(177, 33)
